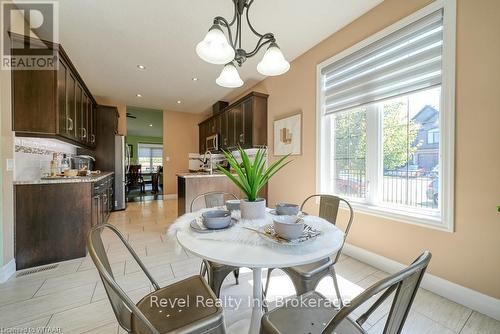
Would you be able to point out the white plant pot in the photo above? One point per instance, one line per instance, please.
(253, 210)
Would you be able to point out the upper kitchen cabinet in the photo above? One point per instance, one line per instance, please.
(53, 103)
(243, 123)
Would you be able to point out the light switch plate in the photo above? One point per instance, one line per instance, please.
(167, 159)
(10, 165)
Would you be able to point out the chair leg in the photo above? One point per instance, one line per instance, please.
(336, 285)
(203, 270)
(269, 271)
(236, 274)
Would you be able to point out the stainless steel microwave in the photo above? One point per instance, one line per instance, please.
(213, 143)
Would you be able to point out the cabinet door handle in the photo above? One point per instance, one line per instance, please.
(93, 138)
(105, 198)
(70, 126)
(242, 139)
(84, 133)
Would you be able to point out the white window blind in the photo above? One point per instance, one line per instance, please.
(150, 156)
(404, 61)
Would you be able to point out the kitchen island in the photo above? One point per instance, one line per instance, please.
(190, 185)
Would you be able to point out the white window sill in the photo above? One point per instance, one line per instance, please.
(413, 218)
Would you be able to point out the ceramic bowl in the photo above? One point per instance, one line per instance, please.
(216, 219)
(287, 209)
(288, 227)
(233, 204)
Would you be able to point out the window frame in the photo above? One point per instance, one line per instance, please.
(433, 133)
(445, 221)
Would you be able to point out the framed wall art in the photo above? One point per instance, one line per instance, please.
(288, 135)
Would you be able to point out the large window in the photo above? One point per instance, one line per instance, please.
(150, 157)
(386, 123)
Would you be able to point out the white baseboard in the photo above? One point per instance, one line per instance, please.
(452, 291)
(7, 271)
(170, 196)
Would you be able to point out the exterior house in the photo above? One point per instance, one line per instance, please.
(427, 154)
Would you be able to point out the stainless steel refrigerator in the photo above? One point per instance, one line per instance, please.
(122, 162)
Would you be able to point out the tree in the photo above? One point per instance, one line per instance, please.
(398, 140)
(399, 136)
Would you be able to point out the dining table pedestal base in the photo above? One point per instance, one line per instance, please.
(257, 301)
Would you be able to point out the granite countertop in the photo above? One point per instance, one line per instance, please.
(200, 174)
(75, 179)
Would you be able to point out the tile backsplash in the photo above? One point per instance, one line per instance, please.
(32, 156)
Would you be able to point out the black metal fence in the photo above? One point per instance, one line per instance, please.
(418, 189)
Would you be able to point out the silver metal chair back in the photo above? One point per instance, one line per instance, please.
(405, 285)
(123, 306)
(328, 210)
(212, 199)
(216, 273)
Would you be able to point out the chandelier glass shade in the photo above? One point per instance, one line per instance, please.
(229, 77)
(218, 49)
(214, 48)
(273, 63)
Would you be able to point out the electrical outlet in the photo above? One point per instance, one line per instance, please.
(167, 159)
(10, 165)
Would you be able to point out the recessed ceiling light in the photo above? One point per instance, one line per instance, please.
(141, 67)
(150, 124)
(179, 102)
(195, 79)
(138, 95)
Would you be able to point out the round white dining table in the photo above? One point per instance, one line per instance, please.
(256, 257)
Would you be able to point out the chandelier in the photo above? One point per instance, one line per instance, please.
(215, 48)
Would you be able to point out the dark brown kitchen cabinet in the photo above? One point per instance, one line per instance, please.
(51, 222)
(102, 200)
(204, 133)
(51, 103)
(71, 106)
(222, 130)
(243, 123)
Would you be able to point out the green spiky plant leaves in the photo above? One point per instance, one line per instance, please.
(251, 176)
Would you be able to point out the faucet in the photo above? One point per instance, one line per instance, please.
(209, 160)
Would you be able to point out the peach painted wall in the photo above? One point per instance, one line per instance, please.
(180, 137)
(471, 255)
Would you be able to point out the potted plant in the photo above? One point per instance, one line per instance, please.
(250, 177)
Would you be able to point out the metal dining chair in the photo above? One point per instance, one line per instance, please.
(325, 319)
(306, 277)
(149, 315)
(217, 272)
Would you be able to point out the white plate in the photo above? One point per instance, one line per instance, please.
(198, 227)
(267, 233)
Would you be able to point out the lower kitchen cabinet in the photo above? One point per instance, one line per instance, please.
(52, 220)
(102, 201)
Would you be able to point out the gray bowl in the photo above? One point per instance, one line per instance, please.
(287, 209)
(216, 219)
(288, 227)
(233, 204)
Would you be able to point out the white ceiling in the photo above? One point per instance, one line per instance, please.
(106, 39)
(147, 122)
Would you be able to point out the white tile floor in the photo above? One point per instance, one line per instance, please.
(73, 299)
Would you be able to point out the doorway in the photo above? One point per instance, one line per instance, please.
(145, 147)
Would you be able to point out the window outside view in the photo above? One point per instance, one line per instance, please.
(150, 157)
(407, 134)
